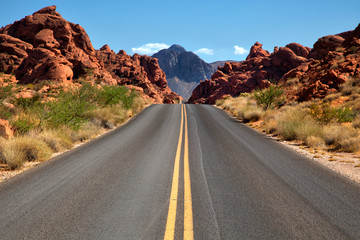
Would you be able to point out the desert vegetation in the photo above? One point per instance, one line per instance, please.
(49, 118)
(331, 123)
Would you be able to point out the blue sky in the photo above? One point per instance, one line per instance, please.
(215, 30)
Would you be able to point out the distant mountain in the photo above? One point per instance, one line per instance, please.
(183, 69)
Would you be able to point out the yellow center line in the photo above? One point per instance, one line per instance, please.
(188, 215)
(171, 218)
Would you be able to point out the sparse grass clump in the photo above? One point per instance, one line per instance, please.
(297, 124)
(315, 142)
(56, 139)
(243, 107)
(340, 137)
(21, 149)
(89, 131)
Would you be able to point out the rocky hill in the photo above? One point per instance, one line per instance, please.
(216, 64)
(45, 46)
(304, 73)
(183, 69)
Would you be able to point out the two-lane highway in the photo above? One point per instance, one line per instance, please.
(180, 172)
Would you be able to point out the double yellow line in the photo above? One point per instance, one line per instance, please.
(188, 216)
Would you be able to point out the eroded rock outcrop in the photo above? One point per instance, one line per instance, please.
(140, 71)
(45, 46)
(257, 71)
(304, 73)
(51, 49)
(336, 60)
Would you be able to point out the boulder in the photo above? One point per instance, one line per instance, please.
(257, 51)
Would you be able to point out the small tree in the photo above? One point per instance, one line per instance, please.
(269, 97)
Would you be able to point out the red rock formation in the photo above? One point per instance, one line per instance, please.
(139, 71)
(256, 71)
(44, 46)
(305, 73)
(337, 60)
(53, 49)
(5, 130)
(257, 51)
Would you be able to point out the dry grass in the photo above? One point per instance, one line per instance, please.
(21, 149)
(57, 139)
(315, 142)
(297, 124)
(86, 132)
(2, 147)
(356, 122)
(342, 137)
(109, 117)
(244, 108)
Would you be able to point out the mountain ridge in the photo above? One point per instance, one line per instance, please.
(181, 66)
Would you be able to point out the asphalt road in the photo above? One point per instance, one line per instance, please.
(194, 174)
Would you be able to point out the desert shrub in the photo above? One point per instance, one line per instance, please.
(315, 142)
(28, 103)
(103, 117)
(295, 123)
(324, 113)
(270, 122)
(342, 137)
(13, 158)
(70, 106)
(86, 132)
(5, 92)
(251, 114)
(356, 122)
(21, 149)
(139, 104)
(345, 114)
(4, 112)
(22, 125)
(111, 95)
(270, 97)
(57, 140)
(2, 147)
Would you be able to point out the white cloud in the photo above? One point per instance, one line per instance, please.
(206, 51)
(149, 48)
(240, 50)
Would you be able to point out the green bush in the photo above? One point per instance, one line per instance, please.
(4, 112)
(270, 97)
(70, 106)
(112, 95)
(28, 103)
(5, 92)
(22, 125)
(324, 113)
(345, 114)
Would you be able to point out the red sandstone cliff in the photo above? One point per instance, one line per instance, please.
(45, 46)
(304, 73)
